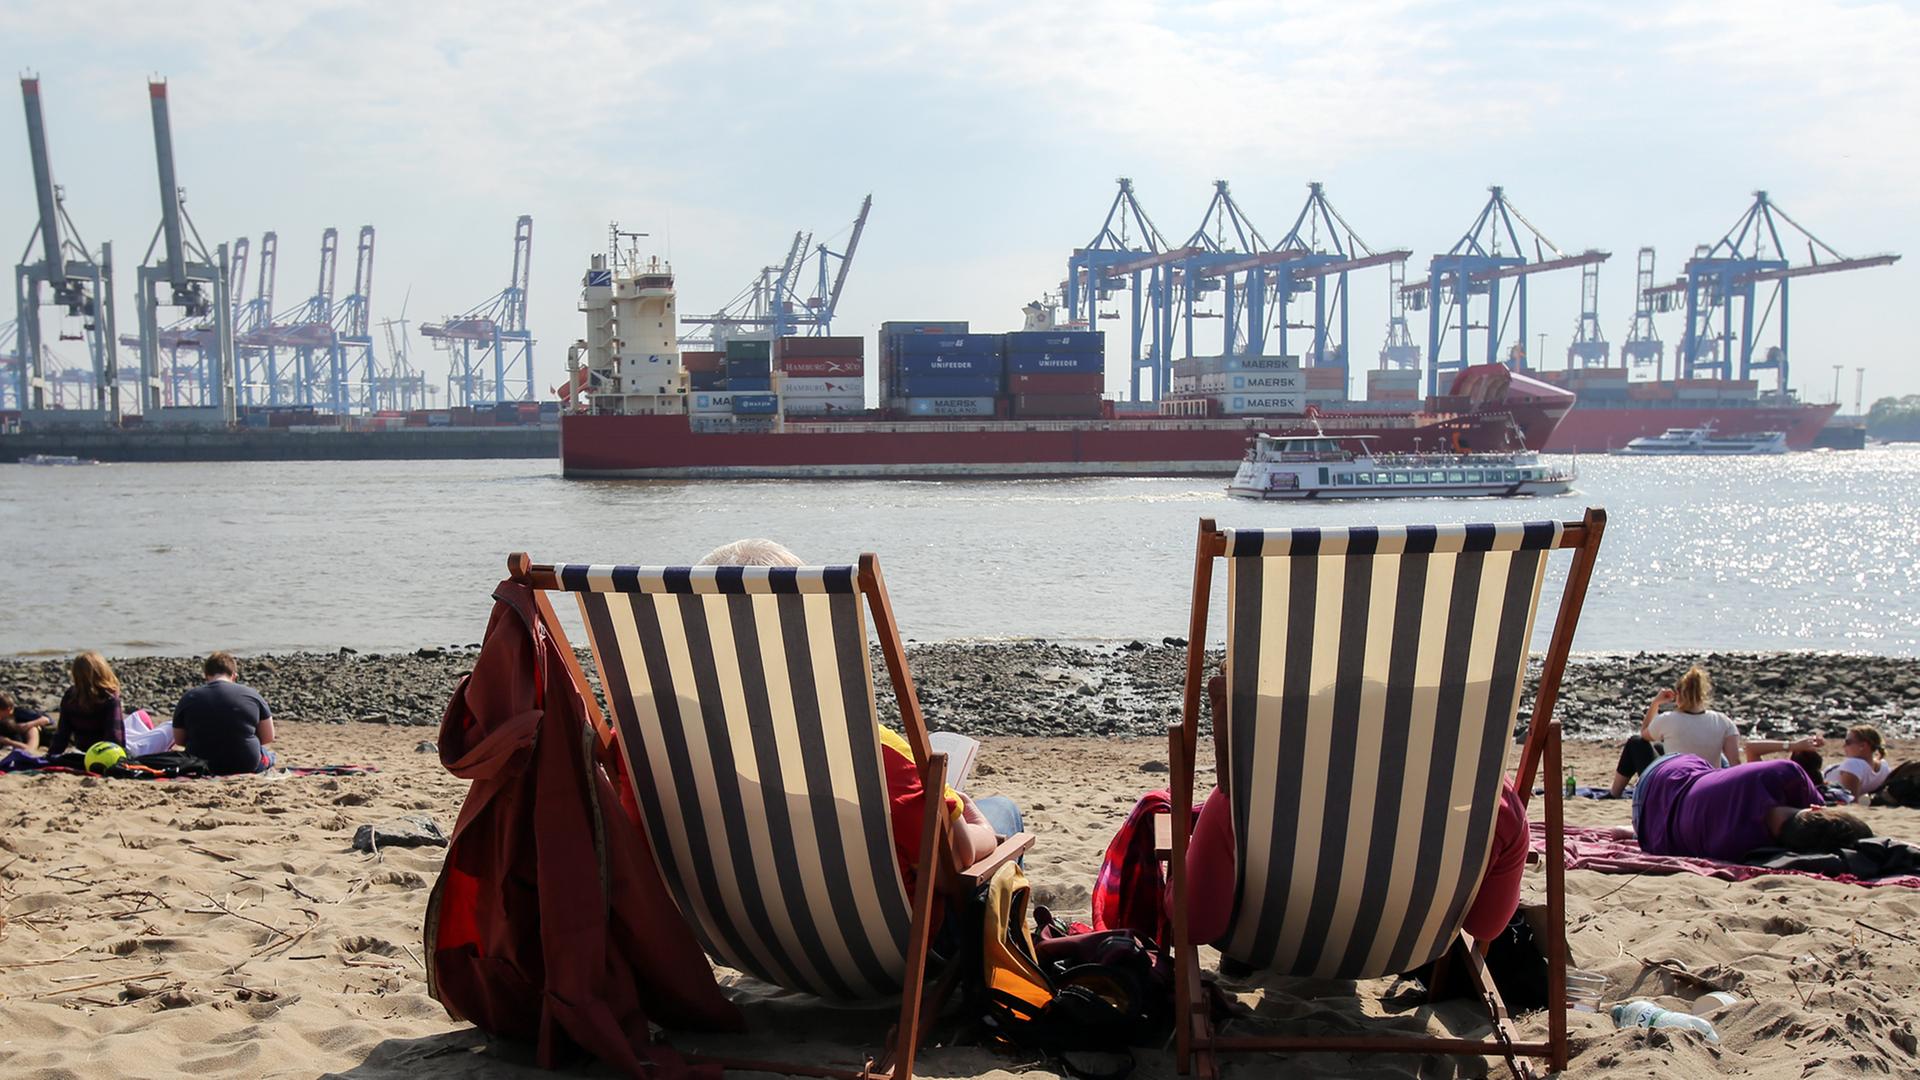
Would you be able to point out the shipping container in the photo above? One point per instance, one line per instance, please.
(816, 367)
(1325, 378)
(706, 380)
(1262, 404)
(710, 403)
(823, 388)
(948, 364)
(749, 367)
(1650, 391)
(749, 350)
(950, 406)
(1394, 377)
(749, 384)
(1057, 363)
(935, 386)
(951, 344)
(1277, 382)
(889, 329)
(755, 404)
(1057, 341)
(796, 347)
(1060, 406)
(703, 361)
(823, 406)
(440, 418)
(1052, 383)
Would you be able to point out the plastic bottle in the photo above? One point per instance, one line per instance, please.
(1648, 1015)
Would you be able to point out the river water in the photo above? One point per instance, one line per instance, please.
(1808, 551)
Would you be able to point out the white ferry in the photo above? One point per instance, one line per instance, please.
(1701, 440)
(1345, 467)
(56, 459)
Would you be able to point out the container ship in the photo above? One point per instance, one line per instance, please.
(953, 403)
(1612, 410)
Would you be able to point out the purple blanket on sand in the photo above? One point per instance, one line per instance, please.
(1605, 851)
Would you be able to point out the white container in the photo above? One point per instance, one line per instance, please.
(835, 387)
(1274, 382)
(1708, 1004)
(950, 406)
(709, 403)
(823, 406)
(1262, 404)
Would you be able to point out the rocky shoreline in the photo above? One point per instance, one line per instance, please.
(1053, 689)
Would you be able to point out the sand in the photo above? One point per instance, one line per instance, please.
(225, 928)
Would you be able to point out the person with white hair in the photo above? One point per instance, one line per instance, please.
(977, 823)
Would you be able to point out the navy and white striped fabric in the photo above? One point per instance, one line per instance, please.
(743, 699)
(1373, 676)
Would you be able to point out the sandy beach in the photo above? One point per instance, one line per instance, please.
(226, 928)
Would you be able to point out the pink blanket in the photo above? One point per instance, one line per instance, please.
(1615, 851)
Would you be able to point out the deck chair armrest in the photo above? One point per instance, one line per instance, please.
(1010, 849)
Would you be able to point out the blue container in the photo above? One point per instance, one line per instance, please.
(947, 365)
(755, 404)
(749, 350)
(930, 386)
(951, 406)
(1056, 363)
(706, 380)
(952, 344)
(750, 367)
(1057, 341)
(742, 384)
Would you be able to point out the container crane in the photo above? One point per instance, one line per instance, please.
(400, 386)
(307, 330)
(497, 330)
(1643, 345)
(254, 345)
(9, 368)
(75, 280)
(355, 370)
(1127, 236)
(1730, 273)
(1489, 253)
(1399, 352)
(771, 303)
(1589, 347)
(1320, 250)
(197, 280)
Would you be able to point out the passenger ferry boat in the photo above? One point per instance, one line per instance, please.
(1345, 467)
(1702, 440)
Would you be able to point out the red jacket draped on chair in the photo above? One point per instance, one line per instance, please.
(550, 922)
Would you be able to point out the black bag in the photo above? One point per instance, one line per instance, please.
(1515, 963)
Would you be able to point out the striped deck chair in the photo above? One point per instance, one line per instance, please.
(1371, 682)
(743, 706)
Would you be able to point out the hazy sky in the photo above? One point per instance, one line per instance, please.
(990, 137)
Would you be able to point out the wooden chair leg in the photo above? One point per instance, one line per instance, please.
(1489, 995)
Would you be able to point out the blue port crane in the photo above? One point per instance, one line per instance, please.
(10, 365)
(1398, 350)
(1643, 345)
(355, 370)
(307, 332)
(1589, 347)
(1490, 252)
(771, 303)
(1313, 260)
(74, 279)
(197, 279)
(1748, 269)
(255, 349)
(492, 334)
(1126, 237)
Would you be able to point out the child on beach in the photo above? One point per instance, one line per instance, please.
(20, 726)
(1690, 727)
(90, 709)
(1863, 769)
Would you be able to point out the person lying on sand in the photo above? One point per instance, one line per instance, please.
(20, 726)
(977, 823)
(223, 723)
(1690, 727)
(1685, 806)
(1863, 768)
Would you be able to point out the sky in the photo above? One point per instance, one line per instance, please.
(990, 137)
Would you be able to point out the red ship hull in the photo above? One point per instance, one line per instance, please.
(1596, 429)
(667, 446)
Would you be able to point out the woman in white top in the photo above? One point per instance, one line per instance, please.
(1864, 768)
(1690, 727)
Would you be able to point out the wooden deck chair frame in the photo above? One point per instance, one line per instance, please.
(1196, 1042)
(919, 1003)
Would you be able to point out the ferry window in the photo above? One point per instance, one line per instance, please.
(1364, 478)
(1399, 478)
(1513, 475)
(1473, 476)
(1456, 476)
(1323, 476)
(1342, 479)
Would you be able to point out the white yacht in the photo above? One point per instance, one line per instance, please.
(1345, 467)
(1701, 440)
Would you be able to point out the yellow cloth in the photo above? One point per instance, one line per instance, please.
(896, 742)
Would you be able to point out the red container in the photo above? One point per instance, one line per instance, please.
(823, 367)
(832, 347)
(1326, 378)
(703, 361)
(1059, 406)
(1650, 391)
(1053, 383)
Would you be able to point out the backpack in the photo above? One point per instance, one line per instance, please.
(1902, 787)
(1105, 990)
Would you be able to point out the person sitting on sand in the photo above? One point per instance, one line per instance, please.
(977, 824)
(1863, 768)
(1685, 806)
(223, 723)
(1690, 727)
(90, 709)
(20, 726)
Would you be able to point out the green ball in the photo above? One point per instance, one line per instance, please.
(102, 756)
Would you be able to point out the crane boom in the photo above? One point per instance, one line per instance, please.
(1862, 263)
(169, 188)
(46, 195)
(846, 258)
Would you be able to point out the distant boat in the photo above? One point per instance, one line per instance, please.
(1345, 467)
(56, 459)
(1678, 442)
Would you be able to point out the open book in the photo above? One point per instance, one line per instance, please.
(961, 753)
